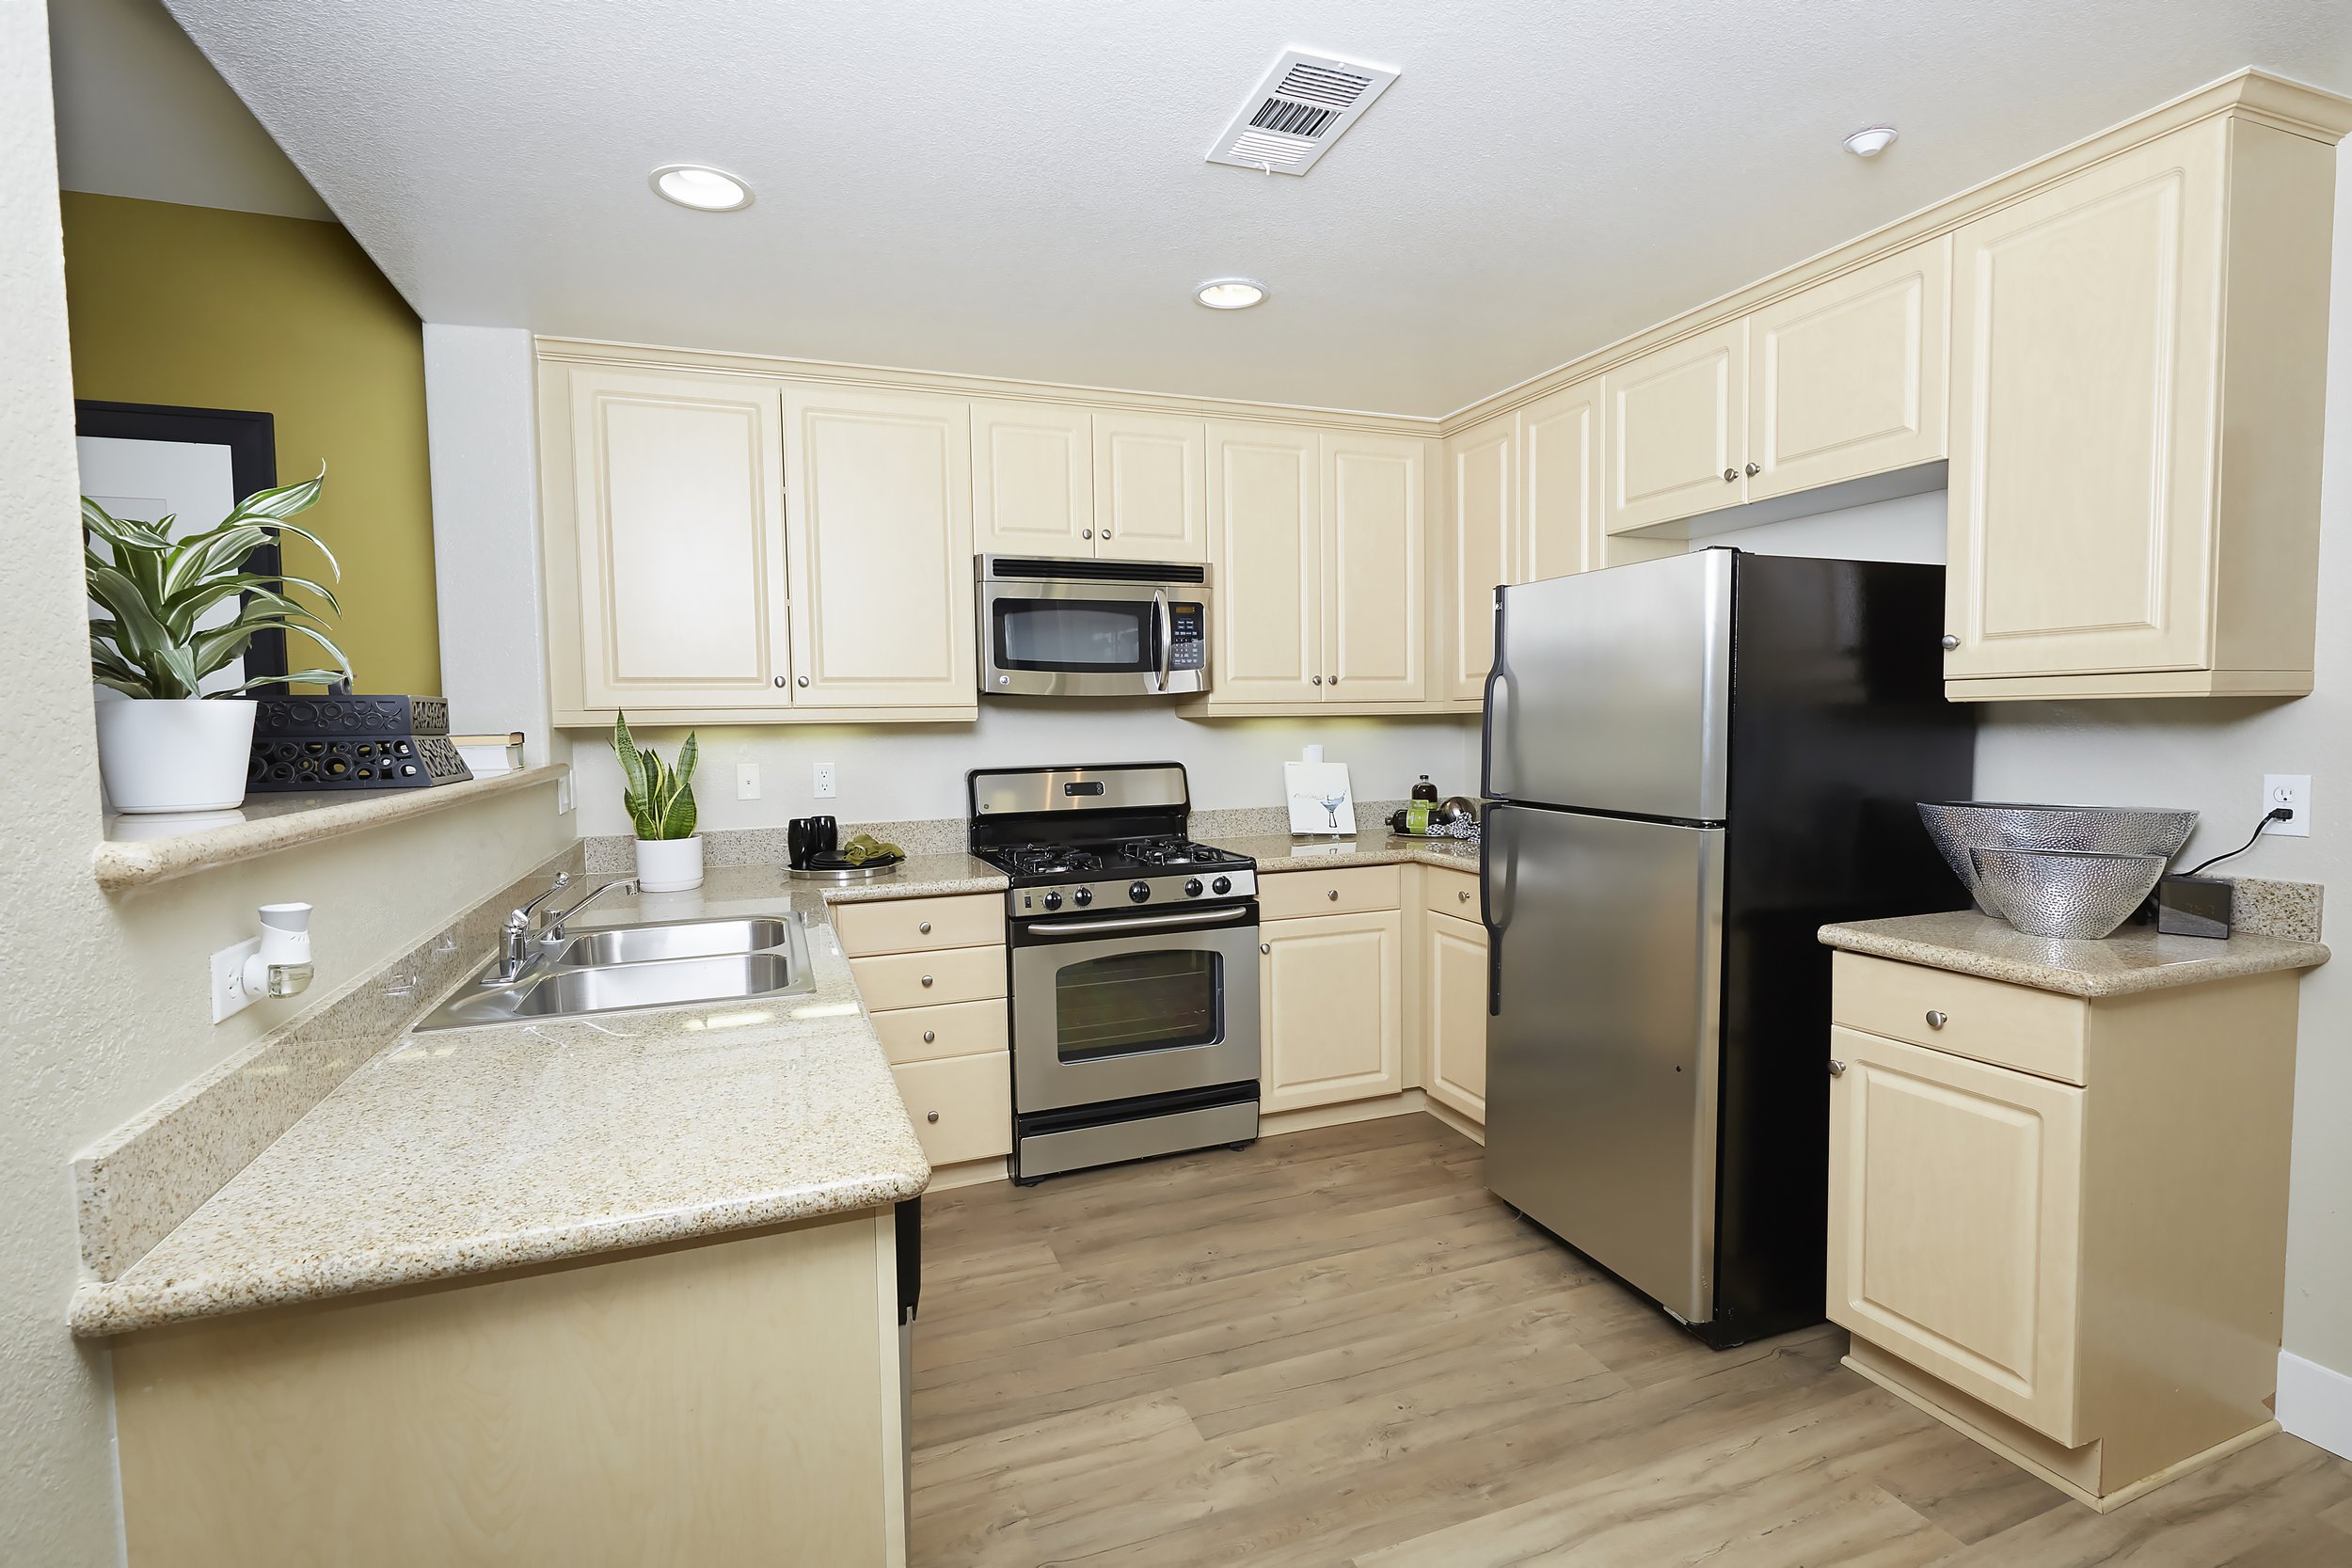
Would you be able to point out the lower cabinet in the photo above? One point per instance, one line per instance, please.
(961, 1106)
(1453, 1014)
(1332, 1005)
(931, 972)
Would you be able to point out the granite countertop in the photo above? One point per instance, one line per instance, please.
(1282, 852)
(2137, 958)
(464, 1151)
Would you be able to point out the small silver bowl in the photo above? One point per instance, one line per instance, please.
(1960, 826)
(2076, 894)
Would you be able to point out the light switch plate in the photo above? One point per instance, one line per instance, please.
(824, 785)
(747, 781)
(2293, 790)
(229, 996)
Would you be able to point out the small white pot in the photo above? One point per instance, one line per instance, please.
(180, 754)
(669, 864)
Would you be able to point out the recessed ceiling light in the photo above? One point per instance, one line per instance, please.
(704, 189)
(1870, 140)
(1229, 293)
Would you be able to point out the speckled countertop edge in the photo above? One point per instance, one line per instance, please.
(2137, 961)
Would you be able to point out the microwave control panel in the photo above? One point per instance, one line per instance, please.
(1188, 636)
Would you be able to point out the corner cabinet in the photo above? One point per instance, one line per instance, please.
(1453, 978)
(2139, 374)
(1330, 1004)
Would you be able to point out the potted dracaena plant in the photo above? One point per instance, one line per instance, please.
(661, 802)
(173, 612)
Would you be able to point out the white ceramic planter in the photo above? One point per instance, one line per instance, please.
(669, 864)
(185, 754)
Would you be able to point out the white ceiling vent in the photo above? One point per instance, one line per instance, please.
(1300, 107)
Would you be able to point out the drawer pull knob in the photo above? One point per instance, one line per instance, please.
(1463, 894)
(1937, 1020)
(930, 1034)
(931, 1116)
(925, 928)
(1265, 948)
(1837, 1067)
(1333, 896)
(927, 979)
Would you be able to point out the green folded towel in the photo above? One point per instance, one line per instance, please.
(865, 847)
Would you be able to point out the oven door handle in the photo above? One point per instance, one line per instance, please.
(1164, 634)
(1139, 922)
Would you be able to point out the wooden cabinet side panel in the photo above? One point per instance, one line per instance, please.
(720, 1404)
(1331, 1005)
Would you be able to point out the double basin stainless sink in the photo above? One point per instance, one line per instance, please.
(619, 968)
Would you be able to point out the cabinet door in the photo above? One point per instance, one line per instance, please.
(1373, 589)
(1265, 517)
(1032, 480)
(1678, 424)
(1482, 495)
(1559, 503)
(1331, 996)
(880, 549)
(1954, 1218)
(1454, 1013)
(1847, 379)
(679, 525)
(1150, 487)
(2084, 332)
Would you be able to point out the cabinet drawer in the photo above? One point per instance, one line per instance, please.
(1348, 890)
(930, 979)
(2033, 1031)
(1448, 892)
(926, 1034)
(962, 1107)
(919, 924)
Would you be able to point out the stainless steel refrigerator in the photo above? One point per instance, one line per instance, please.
(1693, 763)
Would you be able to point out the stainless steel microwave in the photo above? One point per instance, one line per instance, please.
(1051, 628)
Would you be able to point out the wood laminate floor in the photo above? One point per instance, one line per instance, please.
(1336, 1348)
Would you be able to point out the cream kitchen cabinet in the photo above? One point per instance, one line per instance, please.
(1150, 487)
(1032, 479)
(1678, 425)
(1317, 543)
(2058, 1223)
(931, 972)
(1454, 1013)
(1481, 496)
(1330, 1009)
(666, 573)
(2139, 374)
(880, 542)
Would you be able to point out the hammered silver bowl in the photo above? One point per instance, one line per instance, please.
(1960, 826)
(2078, 893)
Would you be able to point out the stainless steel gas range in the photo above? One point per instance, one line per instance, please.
(1134, 966)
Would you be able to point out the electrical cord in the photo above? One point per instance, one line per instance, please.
(2275, 814)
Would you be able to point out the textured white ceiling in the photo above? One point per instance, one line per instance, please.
(1017, 189)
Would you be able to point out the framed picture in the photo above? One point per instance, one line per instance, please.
(149, 461)
(1322, 804)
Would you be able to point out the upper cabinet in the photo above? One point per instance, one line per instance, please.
(1481, 496)
(1677, 429)
(880, 549)
(1320, 598)
(2111, 534)
(1150, 487)
(1032, 480)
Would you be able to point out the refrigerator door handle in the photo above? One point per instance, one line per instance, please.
(1493, 912)
(1497, 690)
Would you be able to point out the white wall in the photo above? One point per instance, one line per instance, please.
(896, 772)
(1907, 528)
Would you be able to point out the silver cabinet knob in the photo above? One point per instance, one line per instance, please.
(1335, 680)
(931, 1116)
(1086, 533)
(1463, 894)
(927, 979)
(925, 928)
(1950, 641)
(1106, 533)
(1730, 474)
(1317, 679)
(803, 680)
(1333, 894)
(1754, 470)
(930, 1034)
(1837, 1067)
(1265, 948)
(780, 680)
(1937, 1020)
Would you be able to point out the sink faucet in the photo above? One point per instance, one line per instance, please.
(555, 922)
(515, 934)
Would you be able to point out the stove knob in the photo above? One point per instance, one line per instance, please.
(1052, 900)
(1223, 884)
(1192, 888)
(1084, 896)
(1139, 891)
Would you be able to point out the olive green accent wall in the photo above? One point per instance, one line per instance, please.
(208, 309)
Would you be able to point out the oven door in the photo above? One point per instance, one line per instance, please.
(1113, 1007)
(1045, 638)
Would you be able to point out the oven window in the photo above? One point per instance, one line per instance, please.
(1136, 1001)
(1073, 635)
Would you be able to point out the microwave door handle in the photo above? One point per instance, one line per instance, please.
(1163, 635)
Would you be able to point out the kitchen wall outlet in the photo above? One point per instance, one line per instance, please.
(747, 781)
(2294, 791)
(229, 994)
(564, 800)
(824, 781)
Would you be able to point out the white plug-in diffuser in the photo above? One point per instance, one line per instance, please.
(282, 967)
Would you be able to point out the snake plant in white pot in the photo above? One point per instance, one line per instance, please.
(172, 746)
(661, 802)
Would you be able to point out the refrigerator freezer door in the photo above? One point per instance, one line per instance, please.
(1612, 690)
(1602, 1052)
